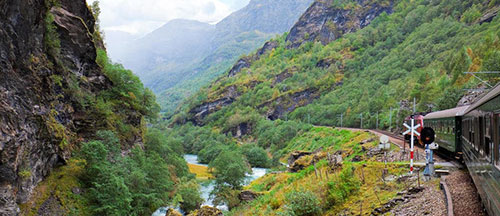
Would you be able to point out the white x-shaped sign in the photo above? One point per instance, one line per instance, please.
(411, 130)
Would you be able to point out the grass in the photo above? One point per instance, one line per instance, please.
(337, 192)
(200, 171)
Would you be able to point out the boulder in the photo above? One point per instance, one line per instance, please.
(247, 196)
(206, 211)
(299, 160)
(172, 212)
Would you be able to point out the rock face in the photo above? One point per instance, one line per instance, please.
(290, 102)
(247, 196)
(227, 97)
(325, 22)
(47, 60)
(246, 62)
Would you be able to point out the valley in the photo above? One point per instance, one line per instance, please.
(265, 112)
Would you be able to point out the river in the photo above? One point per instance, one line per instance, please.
(208, 186)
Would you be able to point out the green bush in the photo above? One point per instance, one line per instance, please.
(256, 156)
(230, 167)
(302, 203)
(189, 192)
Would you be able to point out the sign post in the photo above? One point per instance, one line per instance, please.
(412, 130)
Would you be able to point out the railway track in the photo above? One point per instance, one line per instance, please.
(439, 155)
(460, 192)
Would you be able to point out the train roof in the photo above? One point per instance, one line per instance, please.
(458, 111)
(494, 92)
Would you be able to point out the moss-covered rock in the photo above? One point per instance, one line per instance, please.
(206, 211)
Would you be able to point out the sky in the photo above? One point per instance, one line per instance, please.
(139, 17)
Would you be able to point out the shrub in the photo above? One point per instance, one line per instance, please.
(256, 156)
(229, 168)
(471, 15)
(302, 203)
(189, 191)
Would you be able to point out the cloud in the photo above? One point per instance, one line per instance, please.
(142, 17)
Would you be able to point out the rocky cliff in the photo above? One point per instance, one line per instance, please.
(48, 72)
(325, 21)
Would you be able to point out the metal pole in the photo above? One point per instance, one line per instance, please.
(414, 105)
(411, 145)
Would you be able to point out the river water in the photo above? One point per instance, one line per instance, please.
(208, 186)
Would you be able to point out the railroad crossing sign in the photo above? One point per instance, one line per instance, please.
(411, 130)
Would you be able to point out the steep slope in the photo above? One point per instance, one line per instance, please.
(411, 49)
(54, 95)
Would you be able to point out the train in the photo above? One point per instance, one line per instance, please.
(472, 133)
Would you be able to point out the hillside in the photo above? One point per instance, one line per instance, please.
(326, 67)
(189, 54)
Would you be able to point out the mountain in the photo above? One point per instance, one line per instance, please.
(180, 57)
(68, 116)
(356, 58)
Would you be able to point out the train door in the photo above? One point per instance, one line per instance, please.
(487, 145)
(480, 136)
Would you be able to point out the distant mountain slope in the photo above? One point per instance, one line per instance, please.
(172, 47)
(182, 56)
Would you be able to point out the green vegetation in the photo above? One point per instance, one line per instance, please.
(62, 184)
(256, 155)
(302, 203)
(320, 190)
(229, 170)
(136, 184)
(188, 195)
(347, 185)
(51, 37)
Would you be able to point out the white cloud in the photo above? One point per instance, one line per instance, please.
(140, 17)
